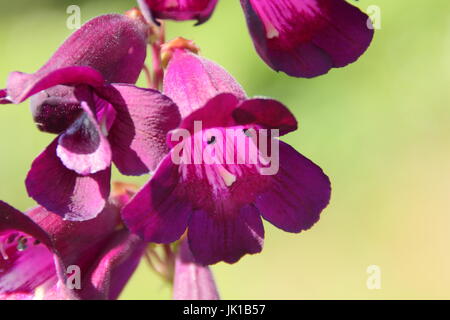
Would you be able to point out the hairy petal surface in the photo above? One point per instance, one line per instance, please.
(109, 48)
(191, 81)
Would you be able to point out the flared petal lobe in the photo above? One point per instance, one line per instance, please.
(298, 192)
(181, 10)
(73, 196)
(109, 48)
(192, 281)
(159, 212)
(306, 38)
(225, 235)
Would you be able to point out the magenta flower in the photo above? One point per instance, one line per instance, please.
(97, 122)
(181, 10)
(192, 281)
(303, 38)
(306, 38)
(220, 203)
(40, 255)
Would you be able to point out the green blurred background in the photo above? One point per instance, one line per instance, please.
(379, 128)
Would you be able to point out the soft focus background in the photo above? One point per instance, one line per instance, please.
(379, 128)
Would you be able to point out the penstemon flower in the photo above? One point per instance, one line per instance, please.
(219, 202)
(303, 38)
(97, 121)
(192, 281)
(200, 10)
(39, 249)
(218, 166)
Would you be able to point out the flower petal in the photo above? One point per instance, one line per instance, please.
(106, 256)
(138, 134)
(190, 81)
(267, 113)
(217, 112)
(297, 195)
(226, 110)
(65, 192)
(159, 212)
(307, 38)
(116, 263)
(110, 47)
(26, 260)
(181, 10)
(192, 281)
(82, 147)
(22, 85)
(225, 236)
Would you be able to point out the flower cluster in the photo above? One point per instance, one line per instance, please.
(217, 166)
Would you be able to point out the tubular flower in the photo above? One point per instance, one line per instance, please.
(225, 170)
(303, 38)
(74, 95)
(192, 281)
(181, 10)
(43, 256)
(306, 38)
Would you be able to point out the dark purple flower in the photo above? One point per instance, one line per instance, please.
(192, 281)
(220, 203)
(39, 251)
(97, 122)
(181, 10)
(303, 38)
(306, 38)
